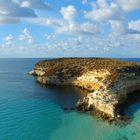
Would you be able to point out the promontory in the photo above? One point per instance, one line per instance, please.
(108, 81)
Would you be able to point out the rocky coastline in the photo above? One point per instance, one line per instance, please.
(108, 81)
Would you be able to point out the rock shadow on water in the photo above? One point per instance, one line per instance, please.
(64, 96)
(67, 96)
(131, 105)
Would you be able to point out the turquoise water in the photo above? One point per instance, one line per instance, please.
(29, 111)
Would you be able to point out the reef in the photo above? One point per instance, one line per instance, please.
(108, 81)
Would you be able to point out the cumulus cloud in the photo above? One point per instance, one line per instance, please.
(8, 8)
(8, 38)
(119, 27)
(68, 24)
(135, 25)
(89, 28)
(79, 28)
(25, 4)
(129, 5)
(68, 13)
(72, 26)
(26, 37)
(11, 11)
(39, 4)
(134, 38)
(50, 36)
(75, 45)
(103, 30)
(48, 22)
(8, 41)
(102, 10)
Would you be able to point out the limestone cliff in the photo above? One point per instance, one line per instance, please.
(108, 81)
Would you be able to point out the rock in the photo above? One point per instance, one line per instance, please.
(108, 81)
(65, 108)
(118, 116)
(39, 72)
(31, 72)
(72, 108)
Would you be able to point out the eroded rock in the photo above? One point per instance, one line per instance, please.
(109, 81)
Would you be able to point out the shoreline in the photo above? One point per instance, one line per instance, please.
(108, 81)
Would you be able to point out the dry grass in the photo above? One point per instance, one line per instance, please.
(70, 67)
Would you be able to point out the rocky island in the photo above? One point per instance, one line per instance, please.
(108, 81)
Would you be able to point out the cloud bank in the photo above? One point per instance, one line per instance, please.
(102, 29)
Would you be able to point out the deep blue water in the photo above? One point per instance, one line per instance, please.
(29, 111)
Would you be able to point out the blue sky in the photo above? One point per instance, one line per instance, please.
(68, 28)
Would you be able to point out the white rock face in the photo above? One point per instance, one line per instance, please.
(106, 100)
(37, 72)
(92, 80)
(31, 72)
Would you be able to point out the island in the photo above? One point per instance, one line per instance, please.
(108, 81)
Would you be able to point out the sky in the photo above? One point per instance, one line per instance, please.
(69, 28)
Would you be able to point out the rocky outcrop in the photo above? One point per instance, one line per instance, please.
(109, 81)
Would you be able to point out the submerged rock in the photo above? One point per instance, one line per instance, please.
(109, 81)
(65, 108)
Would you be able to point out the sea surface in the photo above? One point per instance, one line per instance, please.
(29, 111)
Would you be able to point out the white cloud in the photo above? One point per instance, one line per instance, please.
(39, 4)
(69, 24)
(50, 37)
(79, 28)
(129, 5)
(48, 22)
(134, 25)
(117, 27)
(11, 11)
(26, 37)
(68, 13)
(72, 26)
(89, 28)
(25, 4)
(135, 38)
(74, 38)
(102, 10)
(8, 38)
(73, 45)
(8, 41)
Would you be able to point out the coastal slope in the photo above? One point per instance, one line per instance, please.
(109, 81)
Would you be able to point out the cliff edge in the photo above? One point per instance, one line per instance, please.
(109, 81)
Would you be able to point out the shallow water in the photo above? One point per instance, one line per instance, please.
(29, 111)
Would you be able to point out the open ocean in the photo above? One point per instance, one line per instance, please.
(29, 111)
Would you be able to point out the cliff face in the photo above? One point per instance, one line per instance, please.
(108, 81)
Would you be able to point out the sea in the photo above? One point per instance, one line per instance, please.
(29, 111)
